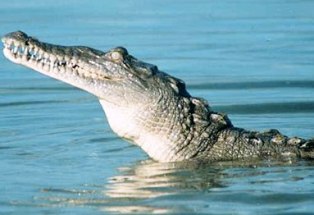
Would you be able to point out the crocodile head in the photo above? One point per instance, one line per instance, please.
(115, 75)
(142, 104)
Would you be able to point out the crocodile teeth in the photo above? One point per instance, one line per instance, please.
(14, 51)
(39, 59)
(17, 52)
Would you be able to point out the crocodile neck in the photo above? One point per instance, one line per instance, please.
(186, 131)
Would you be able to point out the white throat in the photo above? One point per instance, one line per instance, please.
(119, 119)
(127, 123)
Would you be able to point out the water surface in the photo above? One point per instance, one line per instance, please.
(252, 59)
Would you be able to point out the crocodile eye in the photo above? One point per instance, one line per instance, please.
(116, 56)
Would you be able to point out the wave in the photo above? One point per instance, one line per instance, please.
(44, 89)
(252, 85)
(266, 108)
(25, 103)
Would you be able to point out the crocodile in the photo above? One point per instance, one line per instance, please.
(151, 108)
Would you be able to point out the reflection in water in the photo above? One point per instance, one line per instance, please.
(150, 187)
(137, 188)
(142, 183)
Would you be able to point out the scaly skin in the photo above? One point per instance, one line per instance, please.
(151, 108)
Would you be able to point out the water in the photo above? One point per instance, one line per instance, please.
(252, 59)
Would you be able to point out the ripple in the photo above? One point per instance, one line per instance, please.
(29, 89)
(265, 108)
(68, 191)
(26, 103)
(253, 85)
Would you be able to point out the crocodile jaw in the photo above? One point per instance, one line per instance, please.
(68, 64)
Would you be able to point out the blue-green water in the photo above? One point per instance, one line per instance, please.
(252, 59)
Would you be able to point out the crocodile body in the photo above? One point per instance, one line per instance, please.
(149, 107)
